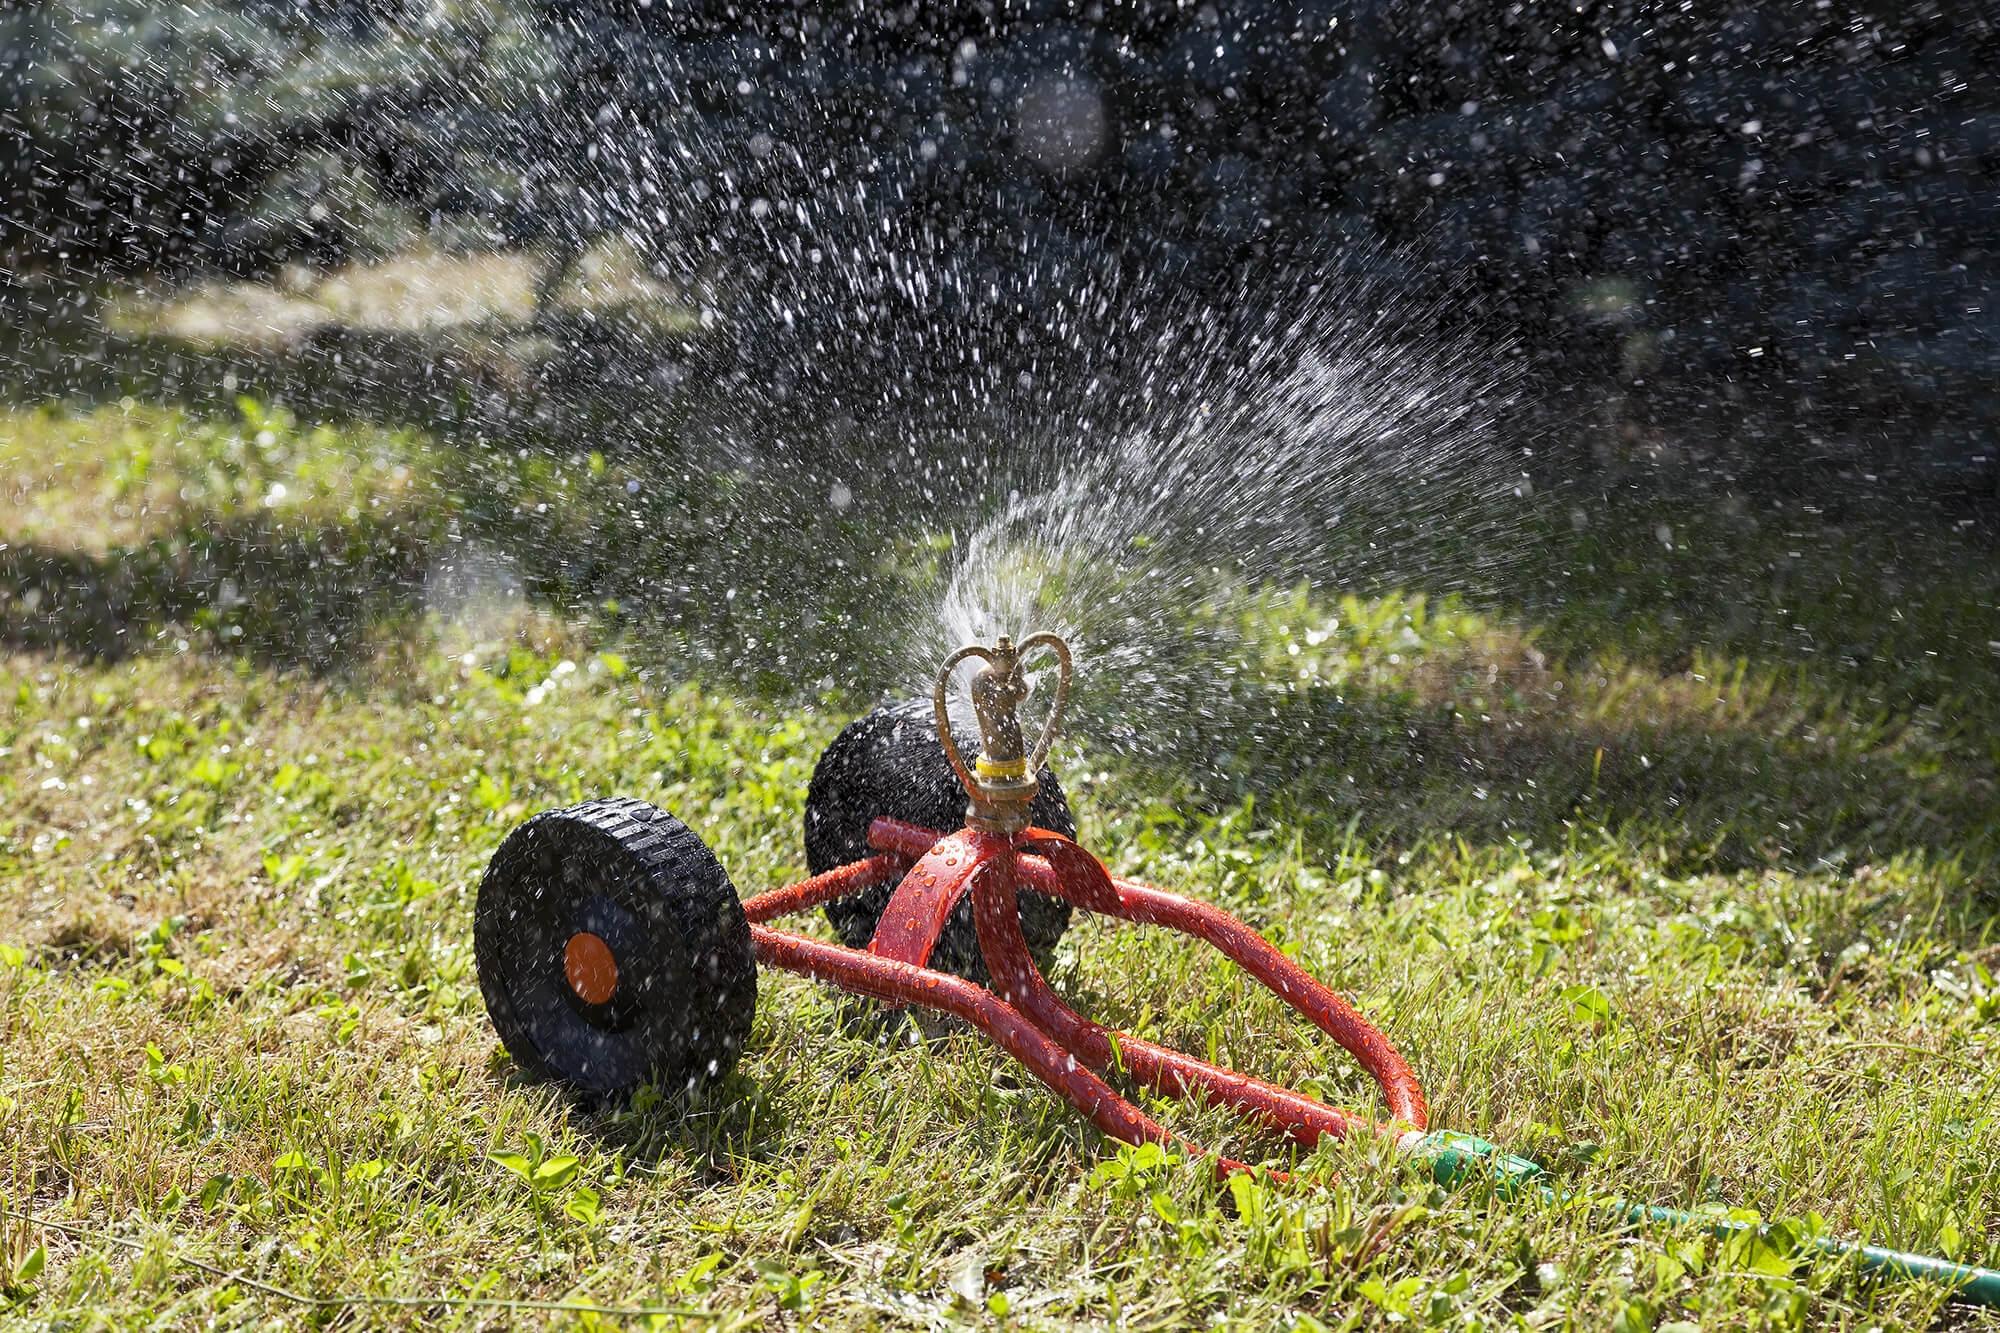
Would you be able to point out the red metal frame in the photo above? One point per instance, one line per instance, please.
(1026, 1018)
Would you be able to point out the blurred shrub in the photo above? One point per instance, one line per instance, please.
(142, 138)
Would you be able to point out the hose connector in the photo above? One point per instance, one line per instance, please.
(1453, 1159)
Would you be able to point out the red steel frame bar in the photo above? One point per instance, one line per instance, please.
(1026, 1018)
(1070, 1053)
(1143, 904)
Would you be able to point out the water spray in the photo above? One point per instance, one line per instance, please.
(614, 951)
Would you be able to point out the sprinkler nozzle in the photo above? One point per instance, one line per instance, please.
(1001, 782)
(998, 689)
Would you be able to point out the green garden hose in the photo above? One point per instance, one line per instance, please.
(1454, 1159)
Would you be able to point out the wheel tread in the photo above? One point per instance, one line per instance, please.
(676, 872)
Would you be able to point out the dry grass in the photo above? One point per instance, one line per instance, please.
(419, 293)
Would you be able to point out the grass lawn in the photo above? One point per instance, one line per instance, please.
(1696, 924)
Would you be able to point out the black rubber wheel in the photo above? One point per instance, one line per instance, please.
(613, 951)
(889, 763)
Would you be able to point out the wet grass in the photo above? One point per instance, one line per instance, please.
(1680, 922)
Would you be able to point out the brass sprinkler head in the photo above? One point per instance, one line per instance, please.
(1001, 782)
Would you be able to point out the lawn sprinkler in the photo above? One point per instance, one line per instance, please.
(613, 950)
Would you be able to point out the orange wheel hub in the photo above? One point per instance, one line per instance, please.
(590, 968)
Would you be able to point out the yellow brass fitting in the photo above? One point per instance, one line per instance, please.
(987, 768)
(1001, 783)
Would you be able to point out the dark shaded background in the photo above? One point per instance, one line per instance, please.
(1755, 240)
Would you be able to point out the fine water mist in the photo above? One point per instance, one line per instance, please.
(1346, 442)
(1159, 452)
(1156, 455)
